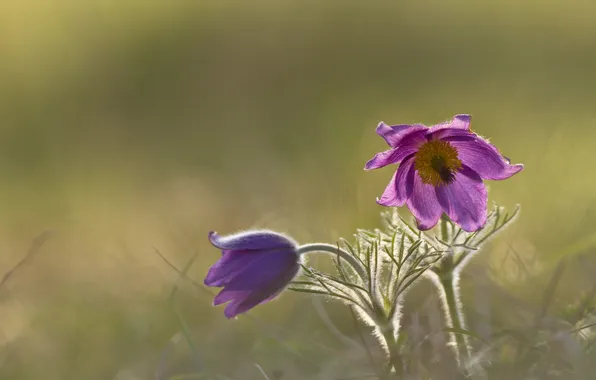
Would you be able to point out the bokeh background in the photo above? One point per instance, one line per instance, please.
(131, 127)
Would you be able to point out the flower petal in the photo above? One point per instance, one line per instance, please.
(263, 272)
(396, 192)
(392, 156)
(423, 203)
(251, 241)
(458, 122)
(393, 134)
(461, 121)
(229, 265)
(450, 134)
(244, 301)
(247, 269)
(464, 200)
(226, 295)
(244, 304)
(484, 158)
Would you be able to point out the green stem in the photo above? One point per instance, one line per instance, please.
(333, 249)
(448, 280)
(444, 233)
(453, 308)
(395, 361)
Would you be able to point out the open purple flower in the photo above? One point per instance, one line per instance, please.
(254, 268)
(441, 170)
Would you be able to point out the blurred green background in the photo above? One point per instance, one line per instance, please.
(131, 126)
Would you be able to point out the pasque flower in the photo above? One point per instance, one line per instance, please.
(441, 169)
(254, 268)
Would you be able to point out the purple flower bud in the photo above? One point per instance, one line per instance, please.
(254, 268)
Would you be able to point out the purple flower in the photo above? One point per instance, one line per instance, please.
(441, 169)
(254, 268)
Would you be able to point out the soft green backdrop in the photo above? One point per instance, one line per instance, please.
(134, 125)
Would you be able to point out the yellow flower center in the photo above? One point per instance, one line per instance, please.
(436, 162)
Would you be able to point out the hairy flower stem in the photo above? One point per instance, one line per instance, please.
(387, 328)
(333, 249)
(448, 281)
(395, 363)
(453, 307)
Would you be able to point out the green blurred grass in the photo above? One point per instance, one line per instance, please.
(129, 126)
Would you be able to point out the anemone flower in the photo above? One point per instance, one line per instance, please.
(254, 268)
(441, 169)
